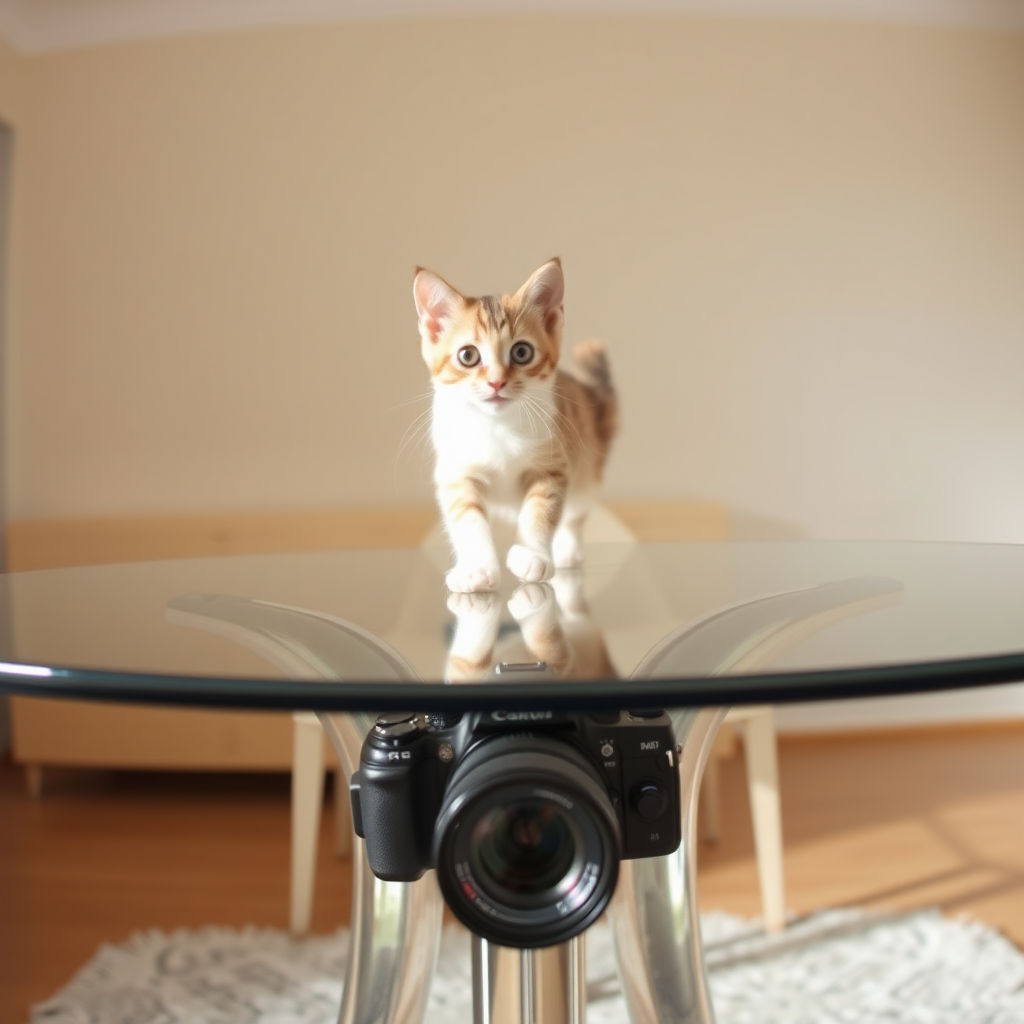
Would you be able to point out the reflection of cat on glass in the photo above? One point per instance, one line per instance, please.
(556, 635)
(514, 436)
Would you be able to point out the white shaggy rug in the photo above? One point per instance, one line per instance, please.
(835, 967)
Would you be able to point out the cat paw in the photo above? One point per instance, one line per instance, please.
(475, 579)
(529, 599)
(529, 566)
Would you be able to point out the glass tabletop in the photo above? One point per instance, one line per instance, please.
(639, 625)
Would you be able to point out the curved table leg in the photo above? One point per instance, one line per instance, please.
(654, 910)
(396, 926)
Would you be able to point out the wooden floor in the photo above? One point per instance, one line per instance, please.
(904, 820)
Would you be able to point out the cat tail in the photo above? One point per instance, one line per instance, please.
(595, 371)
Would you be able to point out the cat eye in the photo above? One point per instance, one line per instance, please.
(469, 356)
(522, 352)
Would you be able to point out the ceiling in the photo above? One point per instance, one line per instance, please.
(38, 26)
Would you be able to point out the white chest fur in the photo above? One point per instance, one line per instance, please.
(496, 449)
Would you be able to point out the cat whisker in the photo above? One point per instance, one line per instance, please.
(415, 436)
(532, 405)
(565, 398)
(541, 410)
(583, 446)
(416, 431)
(545, 419)
(423, 415)
(418, 437)
(524, 407)
(570, 426)
(425, 397)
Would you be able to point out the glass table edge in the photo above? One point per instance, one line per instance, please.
(255, 694)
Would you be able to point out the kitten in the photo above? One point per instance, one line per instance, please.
(515, 437)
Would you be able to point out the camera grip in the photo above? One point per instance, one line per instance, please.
(396, 820)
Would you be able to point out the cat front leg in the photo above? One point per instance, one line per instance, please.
(477, 618)
(535, 609)
(464, 510)
(568, 543)
(530, 559)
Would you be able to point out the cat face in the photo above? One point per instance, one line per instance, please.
(491, 352)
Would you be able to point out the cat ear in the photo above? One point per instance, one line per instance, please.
(435, 299)
(545, 291)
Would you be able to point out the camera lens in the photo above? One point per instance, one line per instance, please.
(527, 844)
(525, 851)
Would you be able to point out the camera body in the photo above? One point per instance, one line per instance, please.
(524, 814)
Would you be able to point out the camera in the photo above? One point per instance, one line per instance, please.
(525, 815)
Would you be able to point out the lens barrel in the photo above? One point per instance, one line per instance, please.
(527, 843)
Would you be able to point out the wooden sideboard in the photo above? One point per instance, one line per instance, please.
(48, 732)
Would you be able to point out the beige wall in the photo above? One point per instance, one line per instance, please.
(803, 244)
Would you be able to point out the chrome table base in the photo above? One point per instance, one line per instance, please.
(529, 986)
(654, 911)
(396, 928)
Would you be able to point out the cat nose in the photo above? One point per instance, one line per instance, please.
(497, 384)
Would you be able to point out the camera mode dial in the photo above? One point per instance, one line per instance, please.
(395, 729)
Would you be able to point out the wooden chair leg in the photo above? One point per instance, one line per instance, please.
(342, 817)
(709, 816)
(34, 781)
(766, 810)
(307, 802)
